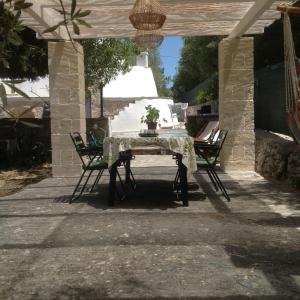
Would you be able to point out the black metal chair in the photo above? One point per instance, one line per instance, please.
(91, 161)
(211, 139)
(96, 143)
(208, 155)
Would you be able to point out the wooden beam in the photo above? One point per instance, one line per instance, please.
(289, 9)
(253, 14)
(109, 18)
(45, 18)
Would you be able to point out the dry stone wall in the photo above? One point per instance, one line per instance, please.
(277, 157)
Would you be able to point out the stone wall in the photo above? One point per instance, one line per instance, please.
(236, 105)
(67, 94)
(277, 157)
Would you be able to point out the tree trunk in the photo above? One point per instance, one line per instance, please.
(101, 100)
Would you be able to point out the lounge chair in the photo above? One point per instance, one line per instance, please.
(208, 133)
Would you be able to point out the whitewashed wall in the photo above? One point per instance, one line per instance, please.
(130, 118)
(138, 82)
(34, 89)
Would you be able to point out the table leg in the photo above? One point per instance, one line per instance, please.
(127, 167)
(183, 181)
(112, 184)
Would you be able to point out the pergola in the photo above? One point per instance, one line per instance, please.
(184, 17)
(229, 18)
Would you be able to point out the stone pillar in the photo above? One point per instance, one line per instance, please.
(67, 105)
(236, 103)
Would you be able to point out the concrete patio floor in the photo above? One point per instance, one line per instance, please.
(149, 246)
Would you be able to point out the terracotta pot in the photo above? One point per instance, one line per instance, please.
(152, 125)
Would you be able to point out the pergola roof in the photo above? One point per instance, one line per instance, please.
(109, 18)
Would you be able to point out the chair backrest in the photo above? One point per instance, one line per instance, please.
(80, 146)
(94, 141)
(215, 136)
(210, 151)
(219, 143)
(210, 129)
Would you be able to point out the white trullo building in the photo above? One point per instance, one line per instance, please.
(126, 97)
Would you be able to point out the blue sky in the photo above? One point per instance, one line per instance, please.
(170, 54)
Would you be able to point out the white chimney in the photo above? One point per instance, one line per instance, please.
(142, 59)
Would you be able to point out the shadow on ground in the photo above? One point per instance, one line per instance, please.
(149, 246)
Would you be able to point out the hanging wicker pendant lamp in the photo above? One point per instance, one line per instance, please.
(149, 39)
(147, 15)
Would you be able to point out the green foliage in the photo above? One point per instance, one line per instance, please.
(152, 115)
(210, 93)
(199, 61)
(73, 17)
(203, 96)
(27, 61)
(10, 27)
(161, 80)
(11, 37)
(105, 58)
(194, 125)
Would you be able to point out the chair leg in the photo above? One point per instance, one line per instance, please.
(97, 180)
(212, 180)
(85, 183)
(83, 187)
(76, 188)
(220, 184)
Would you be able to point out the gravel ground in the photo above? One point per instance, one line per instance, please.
(14, 180)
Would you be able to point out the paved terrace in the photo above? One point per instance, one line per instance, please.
(150, 247)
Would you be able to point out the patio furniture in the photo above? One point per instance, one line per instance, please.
(96, 144)
(213, 138)
(91, 161)
(207, 159)
(181, 146)
(207, 134)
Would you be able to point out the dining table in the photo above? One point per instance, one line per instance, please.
(117, 150)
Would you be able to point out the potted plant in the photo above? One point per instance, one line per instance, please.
(151, 117)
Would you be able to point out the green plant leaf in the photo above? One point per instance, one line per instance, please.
(18, 5)
(60, 11)
(5, 63)
(53, 28)
(75, 28)
(18, 14)
(82, 22)
(73, 7)
(76, 14)
(15, 39)
(81, 14)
